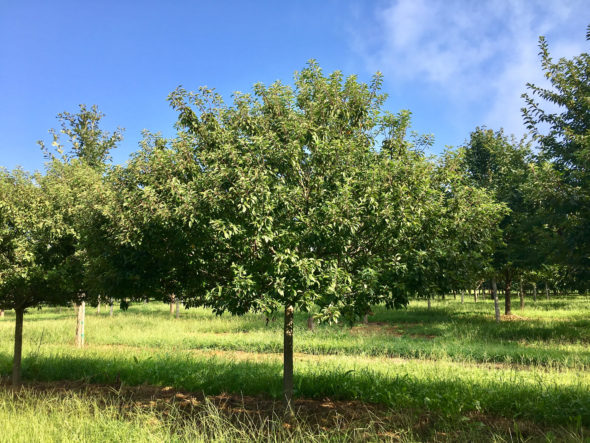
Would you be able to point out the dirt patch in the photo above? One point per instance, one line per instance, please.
(428, 336)
(514, 317)
(377, 328)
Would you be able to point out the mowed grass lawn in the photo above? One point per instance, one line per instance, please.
(452, 366)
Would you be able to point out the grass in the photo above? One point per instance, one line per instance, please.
(558, 337)
(452, 362)
(61, 412)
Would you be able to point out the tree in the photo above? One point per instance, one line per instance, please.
(294, 197)
(77, 170)
(468, 227)
(36, 250)
(563, 137)
(86, 139)
(502, 165)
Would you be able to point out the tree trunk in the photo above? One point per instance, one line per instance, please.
(546, 290)
(111, 308)
(288, 357)
(98, 306)
(310, 323)
(429, 304)
(177, 308)
(81, 314)
(507, 305)
(496, 303)
(18, 347)
(366, 319)
(475, 295)
(462, 296)
(1, 313)
(521, 295)
(534, 292)
(172, 304)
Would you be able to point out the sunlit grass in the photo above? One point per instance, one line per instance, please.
(449, 331)
(452, 361)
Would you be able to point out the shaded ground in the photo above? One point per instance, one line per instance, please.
(237, 355)
(368, 421)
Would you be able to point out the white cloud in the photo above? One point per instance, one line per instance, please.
(474, 53)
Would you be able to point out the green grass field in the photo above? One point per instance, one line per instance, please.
(447, 374)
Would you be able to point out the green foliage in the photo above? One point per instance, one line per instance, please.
(563, 136)
(505, 167)
(88, 141)
(283, 198)
(38, 243)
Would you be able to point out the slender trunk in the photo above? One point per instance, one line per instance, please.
(507, 305)
(546, 290)
(521, 295)
(177, 308)
(429, 304)
(462, 297)
(288, 358)
(111, 308)
(98, 306)
(366, 319)
(310, 323)
(1, 313)
(534, 292)
(81, 313)
(18, 347)
(172, 304)
(475, 295)
(496, 303)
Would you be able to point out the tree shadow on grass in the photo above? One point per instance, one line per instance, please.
(483, 328)
(213, 376)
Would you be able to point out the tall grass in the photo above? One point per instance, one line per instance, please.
(30, 415)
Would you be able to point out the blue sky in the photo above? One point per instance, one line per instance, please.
(455, 64)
